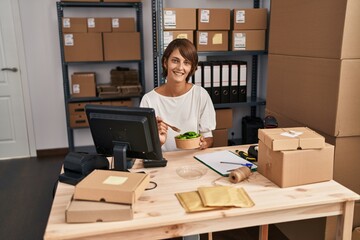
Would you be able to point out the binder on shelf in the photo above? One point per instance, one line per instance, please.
(234, 82)
(215, 82)
(224, 82)
(243, 82)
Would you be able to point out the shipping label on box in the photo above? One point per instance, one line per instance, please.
(296, 167)
(278, 139)
(112, 186)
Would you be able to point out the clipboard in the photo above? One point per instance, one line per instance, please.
(223, 162)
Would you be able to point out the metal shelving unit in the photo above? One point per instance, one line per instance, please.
(158, 45)
(61, 6)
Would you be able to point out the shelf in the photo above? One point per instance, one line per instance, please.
(249, 103)
(98, 99)
(100, 4)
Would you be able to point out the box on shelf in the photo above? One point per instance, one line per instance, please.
(320, 93)
(171, 35)
(251, 40)
(322, 28)
(110, 91)
(296, 167)
(83, 47)
(122, 46)
(78, 120)
(83, 84)
(74, 25)
(213, 19)
(123, 25)
(281, 139)
(224, 118)
(112, 186)
(250, 18)
(80, 0)
(212, 41)
(179, 18)
(124, 76)
(220, 137)
(122, 1)
(99, 24)
(89, 211)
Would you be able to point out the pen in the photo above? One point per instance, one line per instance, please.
(242, 164)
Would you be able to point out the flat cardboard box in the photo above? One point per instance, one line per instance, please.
(224, 118)
(179, 18)
(280, 139)
(83, 47)
(296, 167)
(80, 0)
(74, 25)
(171, 35)
(212, 41)
(99, 24)
(250, 18)
(250, 40)
(123, 25)
(320, 93)
(112, 186)
(83, 84)
(88, 212)
(122, 46)
(220, 137)
(213, 19)
(321, 28)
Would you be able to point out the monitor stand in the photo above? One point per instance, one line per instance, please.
(121, 162)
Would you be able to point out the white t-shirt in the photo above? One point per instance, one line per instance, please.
(192, 111)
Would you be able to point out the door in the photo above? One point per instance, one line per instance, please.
(14, 140)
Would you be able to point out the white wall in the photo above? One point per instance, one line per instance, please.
(41, 40)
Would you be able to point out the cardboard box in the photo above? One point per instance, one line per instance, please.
(212, 40)
(250, 18)
(179, 18)
(320, 93)
(251, 40)
(171, 35)
(280, 139)
(224, 118)
(122, 46)
(83, 47)
(78, 120)
(80, 0)
(322, 28)
(74, 25)
(123, 25)
(112, 186)
(213, 19)
(83, 84)
(88, 211)
(220, 137)
(346, 158)
(99, 24)
(296, 167)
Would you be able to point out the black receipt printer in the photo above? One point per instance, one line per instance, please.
(77, 165)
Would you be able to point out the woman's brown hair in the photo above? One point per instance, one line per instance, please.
(187, 51)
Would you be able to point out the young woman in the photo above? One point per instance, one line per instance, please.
(178, 102)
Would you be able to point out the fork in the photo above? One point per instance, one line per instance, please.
(173, 128)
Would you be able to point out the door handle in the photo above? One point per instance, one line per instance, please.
(14, 69)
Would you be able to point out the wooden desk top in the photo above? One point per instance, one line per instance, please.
(158, 214)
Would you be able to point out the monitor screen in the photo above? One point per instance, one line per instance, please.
(125, 133)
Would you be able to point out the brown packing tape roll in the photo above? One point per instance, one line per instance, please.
(239, 174)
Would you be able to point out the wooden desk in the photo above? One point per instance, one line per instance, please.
(158, 214)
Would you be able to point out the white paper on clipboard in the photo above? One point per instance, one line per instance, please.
(223, 162)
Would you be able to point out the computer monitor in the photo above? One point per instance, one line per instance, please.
(126, 133)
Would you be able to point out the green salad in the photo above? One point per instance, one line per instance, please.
(188, 135)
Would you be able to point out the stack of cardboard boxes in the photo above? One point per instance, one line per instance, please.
(223, 123)
(217, 29)
(106, 195)
(313, 76)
